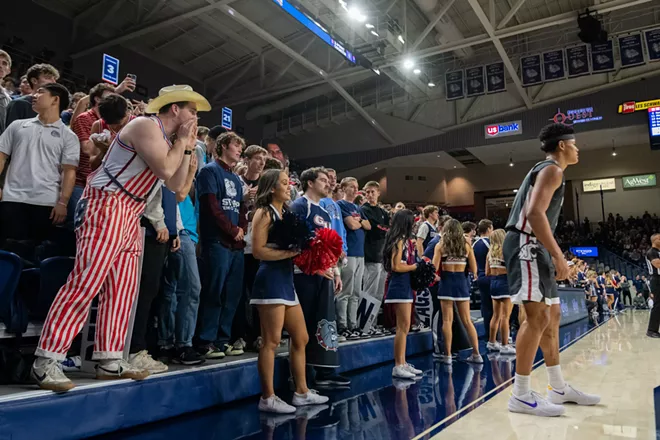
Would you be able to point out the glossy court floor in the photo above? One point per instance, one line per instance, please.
(465, 401)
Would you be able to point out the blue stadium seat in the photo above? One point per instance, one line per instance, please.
(54, 273)
(13, 314)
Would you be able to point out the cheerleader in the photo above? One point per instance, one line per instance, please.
(274, 296)
(398, 261)
(451, 256)
(499, 292)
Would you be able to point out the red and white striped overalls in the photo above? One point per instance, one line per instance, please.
(109, 244)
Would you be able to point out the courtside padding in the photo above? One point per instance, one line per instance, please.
(109, 406)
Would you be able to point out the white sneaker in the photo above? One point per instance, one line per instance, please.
(494, 346)
(234, 350)
(143, 361)
(275, 405)
(49, 376)
(444, 359)
(120, 369)
(402, 372)
(475, 359)
(508, 349)
(533, 403)
(413, 370)
(571, 395)
(312, 397)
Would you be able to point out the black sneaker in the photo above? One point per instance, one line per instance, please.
(333, 380)
(652, 334)
(187, 356)
(210, 351)
(353, 335)
(166, 355)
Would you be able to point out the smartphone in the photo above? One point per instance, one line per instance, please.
(132, 76)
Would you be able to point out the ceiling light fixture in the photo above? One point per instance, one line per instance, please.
(417, 71)
(613, 151)
(370, 26)
(376, 71)
(401, 39)
(510, 160)
(431, 84)
(375, 34)
(515, 191)
(355, 14)
(408, 64)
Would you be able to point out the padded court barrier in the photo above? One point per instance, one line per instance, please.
(103, 407)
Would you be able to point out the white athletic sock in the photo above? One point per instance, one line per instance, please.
(555, 378)
(521, 385)
(41, 362)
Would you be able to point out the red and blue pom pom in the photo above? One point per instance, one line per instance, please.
(321, 253)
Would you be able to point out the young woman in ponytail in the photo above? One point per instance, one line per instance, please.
(499, 292)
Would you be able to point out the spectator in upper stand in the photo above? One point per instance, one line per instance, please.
(374, 272)
(115, 112)
(24, 88)
(210, 142)
(469, 231)
(351, 276)
(200, 147)
(428, 229)
(223, 222)
(274, 150)
(81, 124)
(37, 76)
(68, 113)
(398, 207)
(11, 85)
(337, 193)
(5, 95)
(334, 211)
(44, 155)
(255, 159)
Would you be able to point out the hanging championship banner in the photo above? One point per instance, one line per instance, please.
(630, 49)
(454, 85)
(553, 65)
(602, 57)
(474, 81)
(530, 70)
(495, 81)
(652, 38)
(577, 58)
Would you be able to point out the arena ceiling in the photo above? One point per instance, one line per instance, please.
(250, 52)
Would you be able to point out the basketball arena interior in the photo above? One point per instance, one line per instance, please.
(375, 110)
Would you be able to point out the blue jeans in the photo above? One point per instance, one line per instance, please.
(76, 194)
(221, 292)
(180, 300)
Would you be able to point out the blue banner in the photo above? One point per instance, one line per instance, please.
(474, 81)
(454, 85)
(495, 80)
(652, 38)
(553, 65)
(602, 57)
(630, 48)
(577, 58)
(530, 70)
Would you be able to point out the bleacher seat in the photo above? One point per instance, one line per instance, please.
(54, 272)
(13, 313)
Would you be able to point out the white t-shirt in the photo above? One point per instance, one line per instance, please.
(37, 152)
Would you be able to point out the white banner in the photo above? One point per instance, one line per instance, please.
(367, 311)
(596, 185)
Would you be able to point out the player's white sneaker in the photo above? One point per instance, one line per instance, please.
(413, 370)
(533, 403)
(571, 395)
(508, 350)
(494, 346)
(401, 372)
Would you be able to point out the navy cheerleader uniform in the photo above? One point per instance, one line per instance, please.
(499, 285)
(398, 287)
(454, 286)
(273, 283)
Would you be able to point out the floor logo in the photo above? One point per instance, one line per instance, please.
(504, 129)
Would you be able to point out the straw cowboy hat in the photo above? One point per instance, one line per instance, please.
(178, 93)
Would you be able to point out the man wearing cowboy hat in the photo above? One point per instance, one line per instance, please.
(109, 243)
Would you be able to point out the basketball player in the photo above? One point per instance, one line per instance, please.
(107, 223)
(534, 261)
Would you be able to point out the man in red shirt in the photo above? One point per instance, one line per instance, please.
(82, 127)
